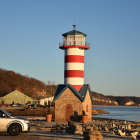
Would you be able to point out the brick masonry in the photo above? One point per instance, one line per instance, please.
(69, 98)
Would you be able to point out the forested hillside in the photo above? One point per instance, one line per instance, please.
(10, 81)
(34, 88)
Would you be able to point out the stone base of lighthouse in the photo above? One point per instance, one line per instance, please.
(71, 104)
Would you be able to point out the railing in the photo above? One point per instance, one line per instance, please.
(76, 43)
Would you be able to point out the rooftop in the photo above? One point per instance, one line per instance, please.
(74, 32)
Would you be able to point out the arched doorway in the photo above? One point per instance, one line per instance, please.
(69, 112)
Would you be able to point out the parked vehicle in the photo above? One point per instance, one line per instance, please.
(16, 105)
(12, 125)
(32, 106)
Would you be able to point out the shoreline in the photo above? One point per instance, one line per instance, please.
(99, 112)
(110, 119)
(105, 118)
(120, 113)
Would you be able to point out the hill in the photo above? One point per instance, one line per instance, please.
(34, 88)
(100, 99)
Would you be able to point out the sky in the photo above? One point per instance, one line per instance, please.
(30, 32)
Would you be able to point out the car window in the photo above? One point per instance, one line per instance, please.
(2, 115)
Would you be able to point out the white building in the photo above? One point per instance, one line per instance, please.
(46, 101)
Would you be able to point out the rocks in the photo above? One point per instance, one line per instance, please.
(88, 128)
(59, 128)
(78, 129)
(40, 124)
(37, 123)
(135, 135)
(122, 133)
(74, 128)
(92, 130)
(93, 135)
(99, 111)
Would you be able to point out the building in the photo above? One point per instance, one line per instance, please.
(15, 97)
(46, 101)
(73, 98)
(71, 104)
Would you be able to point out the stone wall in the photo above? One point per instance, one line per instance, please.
(87, 106)
(67, 97)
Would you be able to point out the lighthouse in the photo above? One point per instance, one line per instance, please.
(73, 99)
(74, 44)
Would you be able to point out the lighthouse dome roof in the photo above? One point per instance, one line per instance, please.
(74, 32)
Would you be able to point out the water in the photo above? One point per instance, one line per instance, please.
(120, 113)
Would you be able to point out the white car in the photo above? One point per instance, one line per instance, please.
(12, 125)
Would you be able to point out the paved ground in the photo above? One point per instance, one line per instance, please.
(47, 135)
(41, 135)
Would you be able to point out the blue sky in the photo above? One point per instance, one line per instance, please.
(30, 32)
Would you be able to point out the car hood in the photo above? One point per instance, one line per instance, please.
(18, 117)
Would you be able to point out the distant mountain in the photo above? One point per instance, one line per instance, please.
(126, 100)
(100, 99)
(34, 88)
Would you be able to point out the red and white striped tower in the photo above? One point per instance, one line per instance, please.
(74, 45)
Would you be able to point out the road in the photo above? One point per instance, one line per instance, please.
(40, 135)
(47, 135)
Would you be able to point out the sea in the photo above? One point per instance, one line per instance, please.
(120, 113)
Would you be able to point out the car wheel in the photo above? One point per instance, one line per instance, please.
(14, 129)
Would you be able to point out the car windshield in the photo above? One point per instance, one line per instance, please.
(7, 113)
